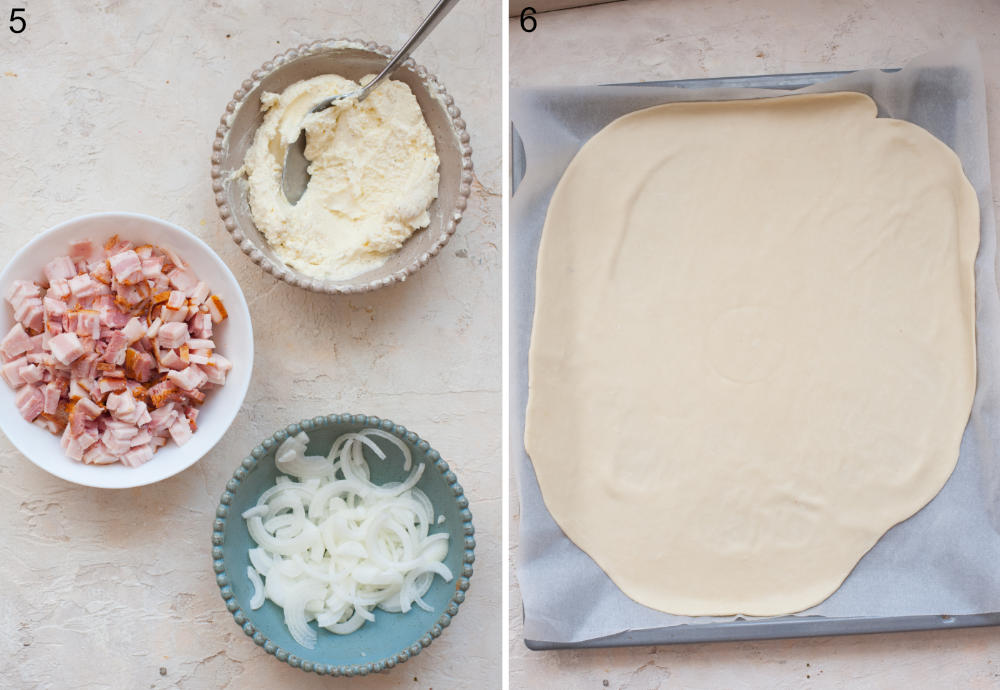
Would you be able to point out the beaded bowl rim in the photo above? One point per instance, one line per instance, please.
(251, 462)
(277, 268)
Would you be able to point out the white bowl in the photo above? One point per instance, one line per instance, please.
(234, 337)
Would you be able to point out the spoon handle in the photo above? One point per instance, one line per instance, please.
(432, 20)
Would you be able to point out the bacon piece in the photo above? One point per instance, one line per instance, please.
(82, 367)
(115, 445)
(111, 384)
(21, 289)
(61, 267)
(133, 330)
(188, 379)
(81, 250)
(139, 365)
(84, 286)
(199, 293)
(15, 342)
(101, 272)
(83, 411)
(142, 438)
(179, 315)
(114, 352)
(30, 402)
(162, 393)
(54, 308)
(139, 455)
(217, 309)
(88, 323)
(120, 404)
(98, 454)
(66, 347)
(181, 432)
(59, 289)
(172, 335)
(11, 372)
(152, 267)
(50, 397)
(201, 325)
(183, 279)
(176, 300)
(161, 418)
(171, 360)
(31, 373)
(31, 314)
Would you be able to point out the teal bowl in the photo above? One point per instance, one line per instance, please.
(393, 637)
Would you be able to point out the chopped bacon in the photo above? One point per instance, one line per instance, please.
(59, 289)
(11, 372)
(20, 289)
(62, 267)
(83, 286)
(31, 373)
(176, 300)
(51, 394)
(139, 455)
(30, 402)
(199, 293)
(116, 353)
(81, 250)
(139, 365)
(54, 308)
(171, 359)
(88, 323)
(152, 267)
(162, 393)
(172, 335)
(126, 267)
(188, 379)
(134, 329)
(183, 279)
(66, 347)
(180, 431)
(216, 309)
(15, 342)
(201, 325)
(98, 454)
(31, 314)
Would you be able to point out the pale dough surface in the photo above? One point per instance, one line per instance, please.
(753, 348)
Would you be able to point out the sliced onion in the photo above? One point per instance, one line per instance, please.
(334, 546)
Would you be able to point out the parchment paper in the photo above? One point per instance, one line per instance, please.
(945, 560)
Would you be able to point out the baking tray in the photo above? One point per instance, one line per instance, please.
(785, 626)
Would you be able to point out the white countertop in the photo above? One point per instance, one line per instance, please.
(645, 40)
(114, 106)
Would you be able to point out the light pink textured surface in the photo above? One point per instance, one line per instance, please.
(646, 40)
(114, 106)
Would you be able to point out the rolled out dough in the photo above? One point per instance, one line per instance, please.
(753, 348)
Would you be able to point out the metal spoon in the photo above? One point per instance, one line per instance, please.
(295, 174)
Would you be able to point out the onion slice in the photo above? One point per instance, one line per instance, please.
(257, 599)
